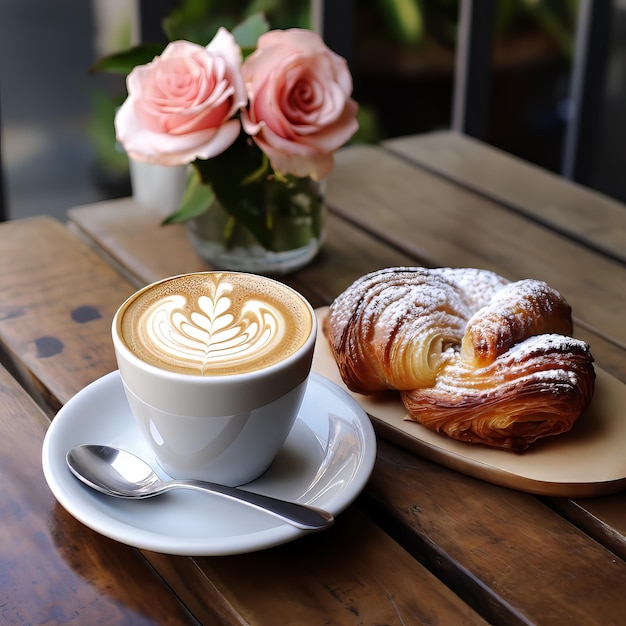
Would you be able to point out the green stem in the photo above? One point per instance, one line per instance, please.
(258, 174)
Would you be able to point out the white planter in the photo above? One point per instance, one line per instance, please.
(158, 187)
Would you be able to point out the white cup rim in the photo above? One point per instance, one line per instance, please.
(218, 378)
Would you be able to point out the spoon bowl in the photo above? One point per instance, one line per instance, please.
(119, 473)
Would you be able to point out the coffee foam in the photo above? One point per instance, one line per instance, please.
(215, 323)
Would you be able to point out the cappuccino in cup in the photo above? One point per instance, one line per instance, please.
(215, 367)
(215, 324)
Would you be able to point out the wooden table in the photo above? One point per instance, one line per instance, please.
(423, 544)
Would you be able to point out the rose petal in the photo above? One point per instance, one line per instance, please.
(181, 105)
(300, 110)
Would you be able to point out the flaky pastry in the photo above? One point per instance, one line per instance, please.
(473, 355)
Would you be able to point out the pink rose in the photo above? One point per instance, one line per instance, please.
(300, 109)
(180, 106)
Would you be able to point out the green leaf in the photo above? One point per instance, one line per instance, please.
(197, 199)
(404, 18)
(191, 20)
(248, 32)
(102, 131)
(264, 6)
(123, 62)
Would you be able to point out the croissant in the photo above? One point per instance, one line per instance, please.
(473, 355)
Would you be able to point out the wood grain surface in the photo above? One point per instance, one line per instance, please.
(582, 213)
(52, 568)
(499, 549)
(423, 544)
(58, 300)
(80, 278)
(445, 224)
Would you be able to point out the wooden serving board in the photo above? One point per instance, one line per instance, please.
(588, 461)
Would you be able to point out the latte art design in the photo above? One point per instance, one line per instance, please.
(214, 323)
(211, 332)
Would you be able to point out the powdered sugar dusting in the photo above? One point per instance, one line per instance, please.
(464, 344)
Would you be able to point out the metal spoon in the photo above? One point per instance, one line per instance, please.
(119, 473)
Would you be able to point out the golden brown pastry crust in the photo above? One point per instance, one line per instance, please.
(473, 355)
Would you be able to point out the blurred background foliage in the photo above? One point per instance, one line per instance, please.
(403, 65)
(199, 20)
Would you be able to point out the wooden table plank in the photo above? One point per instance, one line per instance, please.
(52, 568)
(109, 229)
(128, 235)
(607, 355)
(584, 214)
(56, 322)
(602, 518)
(504, 552)
(425, 216)
(351, 574)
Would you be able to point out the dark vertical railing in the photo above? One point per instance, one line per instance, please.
(151, 14)
(587, 88)
(334, 20)
(472, 75)
(3, 198)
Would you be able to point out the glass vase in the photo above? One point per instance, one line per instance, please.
(275, 227)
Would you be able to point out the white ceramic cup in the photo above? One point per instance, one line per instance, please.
(227, 422)
(158, 187)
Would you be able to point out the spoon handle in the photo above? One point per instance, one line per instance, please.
(299, 515)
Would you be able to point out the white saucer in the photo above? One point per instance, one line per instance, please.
(326, 461)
